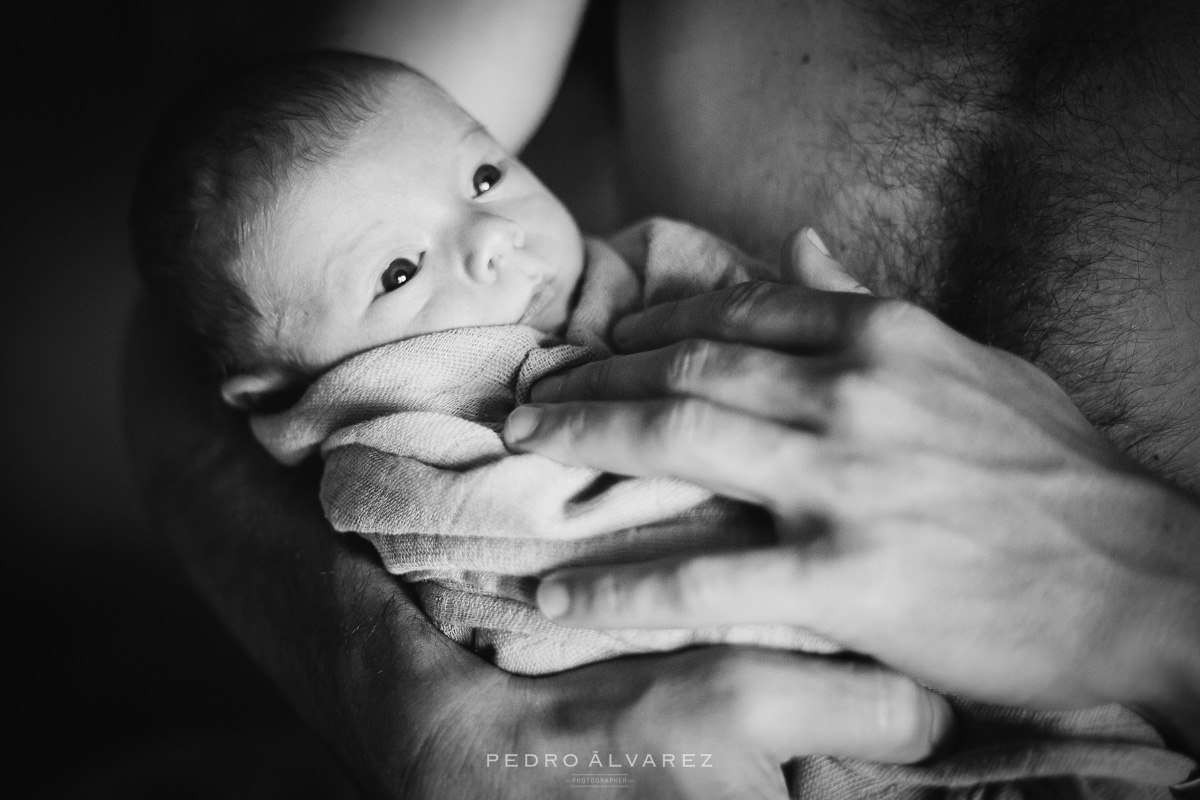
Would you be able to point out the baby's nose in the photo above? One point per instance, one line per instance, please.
(492, 240)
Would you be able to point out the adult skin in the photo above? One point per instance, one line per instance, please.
(411, 713)
(334, 630)
(1027, 172)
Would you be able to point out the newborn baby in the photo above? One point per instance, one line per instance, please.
(396, 287)
(380, 282)
(420, 222)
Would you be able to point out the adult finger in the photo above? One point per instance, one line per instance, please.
(792, 584)
(864, 710)
(784, 317)
(728, 452)
(791, 704)
(792, 389)
(806, 260)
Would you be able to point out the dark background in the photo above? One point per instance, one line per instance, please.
(125, 684)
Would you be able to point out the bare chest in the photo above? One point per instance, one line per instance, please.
(903, 147)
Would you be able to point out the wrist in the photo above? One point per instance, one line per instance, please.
(1155, 647)
(1169, 693)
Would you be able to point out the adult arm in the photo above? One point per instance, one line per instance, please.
(502, 60)
(941, 505)
(411, 713)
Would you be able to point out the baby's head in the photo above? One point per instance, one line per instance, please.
(320, 205)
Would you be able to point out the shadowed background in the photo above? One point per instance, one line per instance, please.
(125, 684)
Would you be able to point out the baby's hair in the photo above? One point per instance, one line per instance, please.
(216, 164)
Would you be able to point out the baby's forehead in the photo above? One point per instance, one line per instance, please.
(413, 122)
(328, 201)
(411, 97)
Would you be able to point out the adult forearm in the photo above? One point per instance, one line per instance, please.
(410, 712)
(1154, 652)
(501, 60)
(312, 608)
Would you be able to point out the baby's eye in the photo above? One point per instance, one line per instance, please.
(398, 273)
(486, 177)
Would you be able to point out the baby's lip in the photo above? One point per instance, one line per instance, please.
(542, 297)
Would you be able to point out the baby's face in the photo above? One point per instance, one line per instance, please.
(422, 223)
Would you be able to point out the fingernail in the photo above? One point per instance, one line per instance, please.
(553, 599)
(941, 721)
(521, 424)
(547, 389)
(813, 237)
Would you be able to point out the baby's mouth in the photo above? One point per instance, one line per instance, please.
(543, 295)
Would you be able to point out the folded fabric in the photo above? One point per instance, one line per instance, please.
(414, 463)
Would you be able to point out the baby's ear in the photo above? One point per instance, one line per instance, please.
(252, 391)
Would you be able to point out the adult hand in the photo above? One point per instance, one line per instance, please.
(742, 711)
(414, 715)
(940, 505)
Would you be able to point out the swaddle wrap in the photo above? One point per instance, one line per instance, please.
(414, 463)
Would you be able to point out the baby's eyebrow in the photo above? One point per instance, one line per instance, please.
(475, 129)
(354, 242)
(348, 259)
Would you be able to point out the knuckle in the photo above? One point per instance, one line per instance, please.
(855, 394)
(688, 364)
(845, 388)
(739, 304)
(682, 420)
(604, 596)
(698, 584)
(892, 312)
(896, 320)
(598, 378)
(783, 458)
(859, 487)
(575, 423)
(869, 403)
(747, 701)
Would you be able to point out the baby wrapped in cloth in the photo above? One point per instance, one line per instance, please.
(414, 463)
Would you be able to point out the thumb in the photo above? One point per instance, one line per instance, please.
(807, 262)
